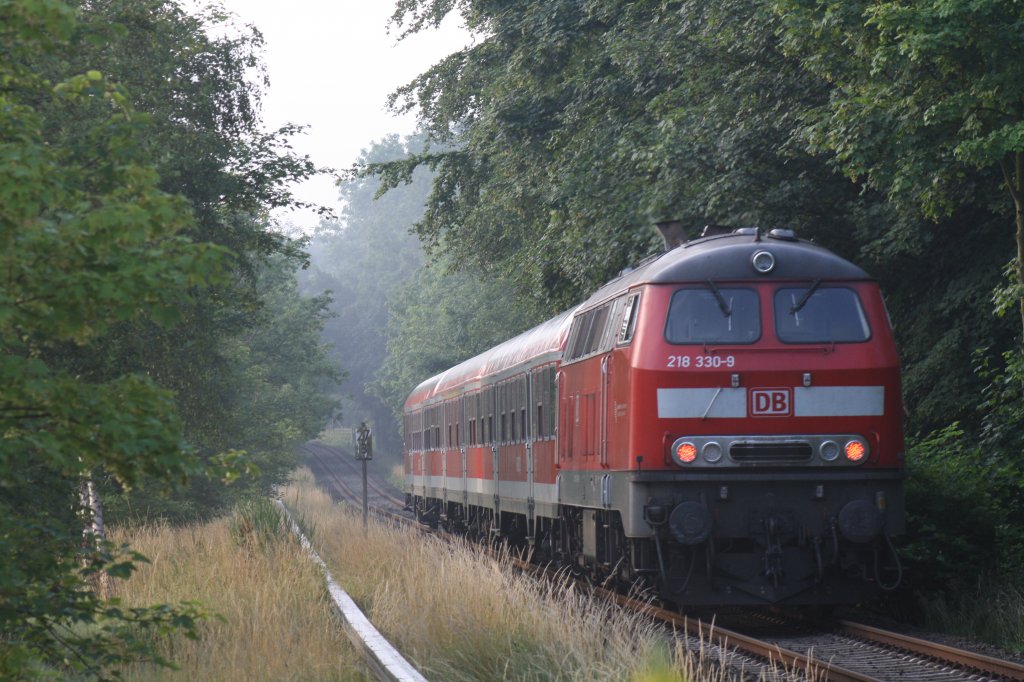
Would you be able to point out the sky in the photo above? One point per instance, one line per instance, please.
(332, 64)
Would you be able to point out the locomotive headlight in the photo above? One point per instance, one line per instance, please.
(855, 451)
(712, 452)
(763, 262)
(829, 450)
(684, 451)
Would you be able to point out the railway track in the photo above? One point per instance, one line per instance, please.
(755, 642)
(339, 472)
(842, 651)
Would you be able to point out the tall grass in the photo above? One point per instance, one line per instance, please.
(992, 614)
(458, 614)
(275, 620)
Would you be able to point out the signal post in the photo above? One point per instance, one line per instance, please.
(364, 453)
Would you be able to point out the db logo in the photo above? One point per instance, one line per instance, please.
(771, 402)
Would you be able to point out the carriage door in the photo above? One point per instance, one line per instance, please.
(446, 433)
(611, 335)
(604, 402)
(495, 404)
(527, 418)
(463, 438)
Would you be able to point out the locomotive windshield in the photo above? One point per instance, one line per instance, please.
(820, 315)
(713, 315)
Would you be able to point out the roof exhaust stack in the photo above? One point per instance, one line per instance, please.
(672, 233)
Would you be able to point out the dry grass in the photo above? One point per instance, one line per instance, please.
(460, 615)
(275, 619)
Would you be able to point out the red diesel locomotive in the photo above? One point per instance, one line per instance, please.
(722, 424)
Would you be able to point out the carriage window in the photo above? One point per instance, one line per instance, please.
(628, 320)
(812, 315)
(589, 333)
(597, 329)
(580, 336)
(713, 315)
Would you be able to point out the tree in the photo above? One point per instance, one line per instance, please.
(206, 139)
(88, 241)
(141, 285)
(927, 104)
(262, 392)
(574, 126)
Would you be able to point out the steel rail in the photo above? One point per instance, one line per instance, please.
(750, 645)
(344, 488)
(941, 652)
(722, 637)
(350, 496)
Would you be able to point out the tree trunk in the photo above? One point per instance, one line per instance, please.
(1019, 208)
(1013, 174)
(95, 531)
(92, 507)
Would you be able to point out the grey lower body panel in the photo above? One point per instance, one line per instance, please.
(737, 499)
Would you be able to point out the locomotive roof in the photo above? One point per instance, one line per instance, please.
(727, 257)
(721, 258)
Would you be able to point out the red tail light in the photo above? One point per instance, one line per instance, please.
(855, 451)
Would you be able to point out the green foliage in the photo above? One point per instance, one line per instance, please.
(574, 126)
(65, 626)
(964, 504)
(87, 241)
(440, 318)
(927, 98)
(396, 323)
(940, 78)
(257, 389)
(952, 517)
(940, 303)
(993, 611)
(138, 275)
(243, 359)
